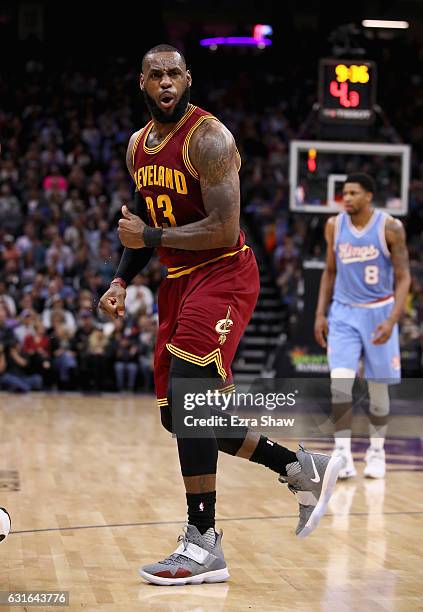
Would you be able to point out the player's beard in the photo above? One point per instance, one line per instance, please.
(160, 115)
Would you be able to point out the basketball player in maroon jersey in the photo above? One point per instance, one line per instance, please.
(185, 164)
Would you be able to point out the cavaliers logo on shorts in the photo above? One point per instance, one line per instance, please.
(223, 326)
(188, 309)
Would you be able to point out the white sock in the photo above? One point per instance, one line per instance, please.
(210, 536)
(377, 436)
(343, 439)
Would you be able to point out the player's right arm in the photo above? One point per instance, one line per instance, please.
(326, 285)
(132, 261)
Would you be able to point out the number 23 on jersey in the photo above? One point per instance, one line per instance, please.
(163, 207)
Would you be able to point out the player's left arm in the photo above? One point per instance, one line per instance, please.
(396, 241)
(213, 154)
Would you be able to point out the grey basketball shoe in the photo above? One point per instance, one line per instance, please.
(313, 482)
(193, 562)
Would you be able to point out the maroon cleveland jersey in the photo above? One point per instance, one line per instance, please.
(170, 185)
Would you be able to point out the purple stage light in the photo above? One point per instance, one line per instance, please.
(246, 41)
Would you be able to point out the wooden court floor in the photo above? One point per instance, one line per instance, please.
(94, 490)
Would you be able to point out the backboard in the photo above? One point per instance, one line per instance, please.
(318, 170)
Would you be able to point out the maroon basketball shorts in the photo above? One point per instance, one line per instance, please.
(203, 315)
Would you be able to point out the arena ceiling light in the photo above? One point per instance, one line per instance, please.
(258, 39)
(382, 23)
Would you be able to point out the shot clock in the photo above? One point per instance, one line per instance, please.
(347, 91)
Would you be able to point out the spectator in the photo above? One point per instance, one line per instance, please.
(25, 242)
(56, 304)
(26, 324)
(64, 358)
(36, 348)
(7, 336)
(98, 357)
(139, 297)
(147, 331)
(81, 346)
(10, 209)
(106, 263)
(125, 356)
(6, 300)
(59, 256)
(10, 252)
(16, 376)
(53, 157)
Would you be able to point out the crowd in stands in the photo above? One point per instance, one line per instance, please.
(63, 180)
(52, 337)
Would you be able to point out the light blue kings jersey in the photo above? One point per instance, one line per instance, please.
(364, 272)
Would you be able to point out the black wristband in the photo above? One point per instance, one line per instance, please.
(152, 236)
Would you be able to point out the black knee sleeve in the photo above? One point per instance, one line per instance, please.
(197, 456)
(179, 368)
(184, 369)
(232, 445)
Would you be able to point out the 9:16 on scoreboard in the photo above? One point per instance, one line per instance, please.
(347, 91)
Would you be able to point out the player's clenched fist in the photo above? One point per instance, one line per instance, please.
(112, 303)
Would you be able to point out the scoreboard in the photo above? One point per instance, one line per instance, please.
(347, 91)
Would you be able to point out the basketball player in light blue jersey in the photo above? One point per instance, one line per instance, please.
(365, 282)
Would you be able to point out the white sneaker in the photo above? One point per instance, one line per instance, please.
(348, 470)
(375, 463)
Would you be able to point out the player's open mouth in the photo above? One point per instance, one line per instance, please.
(167, 101)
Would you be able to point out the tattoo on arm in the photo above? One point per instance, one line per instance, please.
(396, 240)
(215, 158)
(213, 154)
